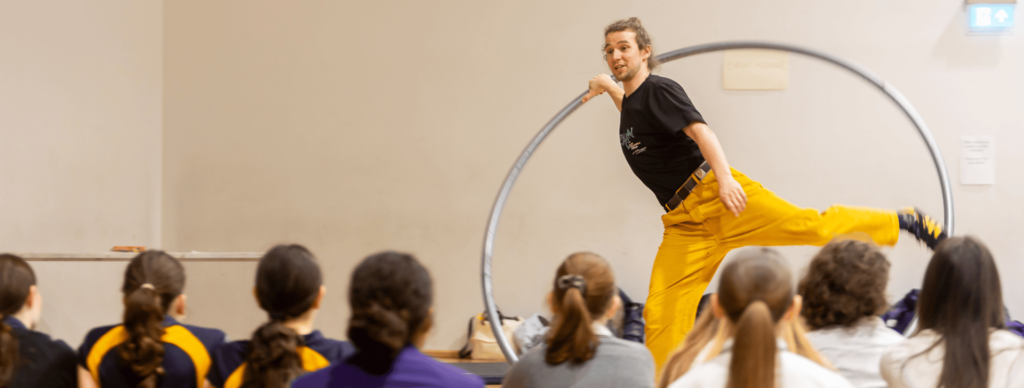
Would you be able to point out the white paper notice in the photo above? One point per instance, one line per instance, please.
(755, 70)
(977, 160)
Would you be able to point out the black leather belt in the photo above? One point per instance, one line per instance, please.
(688, 187)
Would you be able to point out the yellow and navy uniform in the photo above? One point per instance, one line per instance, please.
(317, 353)
(186, 355)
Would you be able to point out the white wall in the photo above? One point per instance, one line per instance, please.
(80, 127)
(354, 128)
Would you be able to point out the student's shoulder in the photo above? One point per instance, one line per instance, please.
(709, 374)
(230, 350)
(316, 379)
(333, 350)
(95, 334)
(208, 336)
(799, 370)
(444, 374)
(629, 349)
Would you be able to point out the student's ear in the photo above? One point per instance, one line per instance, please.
(551, 302)
(179, 305)
(613, 307)
(320, 298)
(794, 309)
(32, 299)
(717, 308)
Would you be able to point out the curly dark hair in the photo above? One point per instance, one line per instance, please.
(845, 282)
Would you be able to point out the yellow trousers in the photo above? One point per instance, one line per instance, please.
(700, 231)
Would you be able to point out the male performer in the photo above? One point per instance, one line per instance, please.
(710, 207)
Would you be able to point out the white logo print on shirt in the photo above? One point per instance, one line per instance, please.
(625, 140)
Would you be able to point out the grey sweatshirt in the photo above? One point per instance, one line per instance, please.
(617, 363)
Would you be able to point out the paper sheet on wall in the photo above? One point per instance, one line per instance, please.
(755, 70)
(977, 160)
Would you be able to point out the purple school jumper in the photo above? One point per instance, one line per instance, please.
(410, 369)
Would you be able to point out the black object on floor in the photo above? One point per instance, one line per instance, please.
(491, 372)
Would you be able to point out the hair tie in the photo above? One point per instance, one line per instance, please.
(147, 285)
(572, 281)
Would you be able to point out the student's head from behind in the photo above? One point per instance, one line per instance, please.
(845, 282)
(583, 292)
(289, 287)
(391, 296)
(627, 49)
(755, 293)
(20, 299)
(152, 288)
(961, 300)
(19, 296)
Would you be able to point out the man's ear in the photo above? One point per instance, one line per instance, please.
(717, 308)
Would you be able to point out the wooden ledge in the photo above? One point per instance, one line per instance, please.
(127, 256)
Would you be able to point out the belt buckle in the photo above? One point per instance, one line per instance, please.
(700, 173)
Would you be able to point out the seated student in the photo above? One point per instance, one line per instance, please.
(391, 296)
(708, 337)
(150, 349)
(28, 358)
(961, 341)
(579, 349)
(843, 294)
(755, 295)
(289, 287)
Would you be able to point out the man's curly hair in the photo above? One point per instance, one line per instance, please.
(845, 282)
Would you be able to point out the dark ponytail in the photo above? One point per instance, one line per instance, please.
(288, 282)
(755, 291)
(152, 281)
(390, 296)
(584, 289)
(16, 279)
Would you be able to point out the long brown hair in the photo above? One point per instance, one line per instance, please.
(16, 279)
(845, 282)
(961, 300)
(152, 281)
(583, 290)
(288, 282)
(390, 295)
(709, 328)
(755, 292)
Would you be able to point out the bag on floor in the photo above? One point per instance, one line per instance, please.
(632, 319)
(531, 333)
(480, 341)
(902, 313)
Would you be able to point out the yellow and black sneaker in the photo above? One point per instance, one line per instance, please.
(923, 227)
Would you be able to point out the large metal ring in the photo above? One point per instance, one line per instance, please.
(885, 87)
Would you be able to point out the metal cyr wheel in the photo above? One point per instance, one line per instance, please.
(885, 87)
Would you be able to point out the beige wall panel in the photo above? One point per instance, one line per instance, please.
(80, 122)
(358, 127)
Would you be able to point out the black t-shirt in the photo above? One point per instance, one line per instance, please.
(43, 362)
(652, 138)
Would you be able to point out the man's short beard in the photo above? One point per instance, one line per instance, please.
(630, 74)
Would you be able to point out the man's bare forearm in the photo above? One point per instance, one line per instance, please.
(616, 93)
(710, 147)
